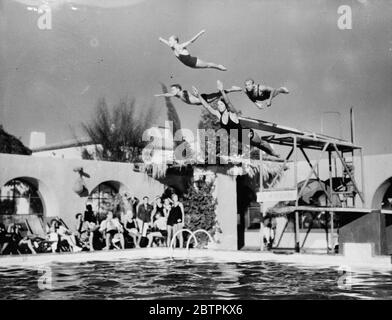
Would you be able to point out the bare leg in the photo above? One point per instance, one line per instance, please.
(233, 89)
(138, 237)
(258, 142)
(29, 245)
(54, 246)
(138, 241)
(107, 247)
(169, 234)
(135, 237)
(122, 241)
(72, 242)
(202, 64)
(150, 238)
(5, 245)
(135, 240)
(178, 227)
(91, 241)
(280, 90)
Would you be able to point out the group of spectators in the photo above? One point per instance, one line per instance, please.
(57, 238)
(136, 224)
(12, 241)
(142, 223)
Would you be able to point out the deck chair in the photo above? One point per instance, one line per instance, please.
(35, 226)
(37, 230)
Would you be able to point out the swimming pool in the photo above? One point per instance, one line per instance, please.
(197, 278)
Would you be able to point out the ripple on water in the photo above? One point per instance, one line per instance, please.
(193, 279)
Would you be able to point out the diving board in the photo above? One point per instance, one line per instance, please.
(279, 129)
(283, 135)
(267, 126)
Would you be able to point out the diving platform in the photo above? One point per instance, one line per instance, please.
(340, 197)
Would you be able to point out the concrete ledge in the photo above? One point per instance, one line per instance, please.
(305, 260)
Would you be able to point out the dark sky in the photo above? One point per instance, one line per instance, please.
(51, 80)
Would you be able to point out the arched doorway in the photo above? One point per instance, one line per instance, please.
(382, 199)
(21, 196)
(106, 197)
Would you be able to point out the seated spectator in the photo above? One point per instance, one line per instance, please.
(65, 235)
(130, 224)
(82, 231)
(53, 236)
(15, 241)
(93, 234)
(113, 231)
(159, 229)
(144, 216)
(68, 236)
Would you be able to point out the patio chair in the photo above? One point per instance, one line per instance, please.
(36, 228)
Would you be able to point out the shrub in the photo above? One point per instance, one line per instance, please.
(199, 205)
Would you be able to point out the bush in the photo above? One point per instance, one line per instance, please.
(199, 205)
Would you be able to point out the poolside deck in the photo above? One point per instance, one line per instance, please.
(306, 260)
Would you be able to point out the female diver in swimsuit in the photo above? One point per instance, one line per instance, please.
(228, 118)
(189, 98)
(183, 55)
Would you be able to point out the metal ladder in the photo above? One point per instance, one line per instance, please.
(346, 191)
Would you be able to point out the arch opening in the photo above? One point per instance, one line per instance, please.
(22, 196)
(107, 196)
(382, 198)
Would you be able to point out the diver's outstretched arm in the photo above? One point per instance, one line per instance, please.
(226, 98)
(272, 92)
(164, 41)
(166, 95)
(205, 104)
(187, 43)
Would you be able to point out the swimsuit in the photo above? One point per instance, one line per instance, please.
(174, 215)
(230, 123)
(261, 144)
(256, 95)
(160, 211)
(208, 97)
(130, 225)
(188, 60)
(186, 97)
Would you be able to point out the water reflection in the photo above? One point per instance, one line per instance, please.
(194, 279)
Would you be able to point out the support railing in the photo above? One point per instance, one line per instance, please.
(194, 233)
(192, 236)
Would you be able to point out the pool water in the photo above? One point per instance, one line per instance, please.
(194, 279)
